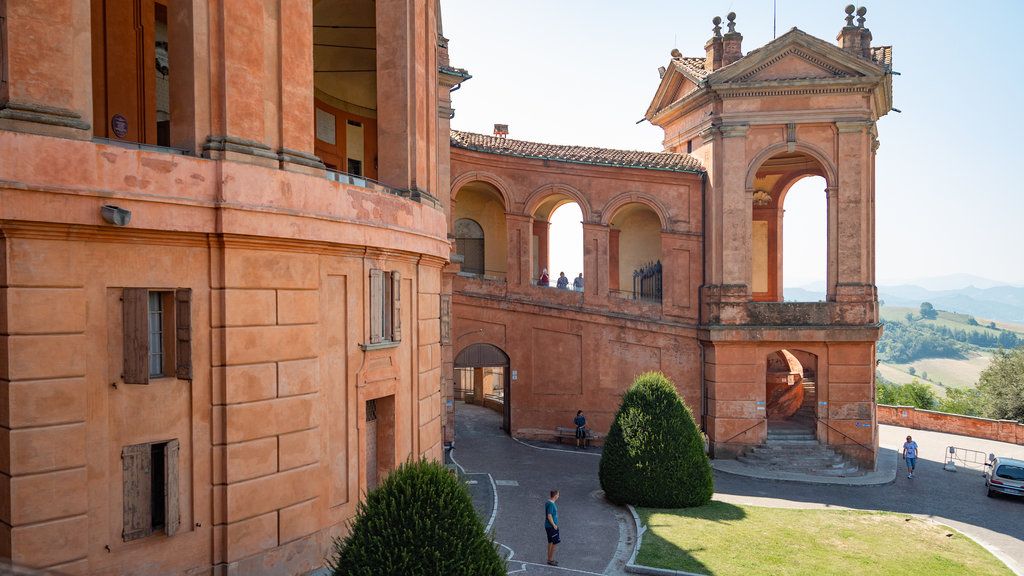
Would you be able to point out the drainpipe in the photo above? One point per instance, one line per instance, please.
(700, 299)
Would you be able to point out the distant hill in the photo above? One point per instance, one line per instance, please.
(961, 293)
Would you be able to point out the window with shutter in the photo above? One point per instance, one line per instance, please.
(385, 307)
(150, 486)
(157, 334)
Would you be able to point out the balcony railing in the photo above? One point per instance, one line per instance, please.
(647, 282)
(362, 182)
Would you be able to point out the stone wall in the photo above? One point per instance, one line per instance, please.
(910, 417)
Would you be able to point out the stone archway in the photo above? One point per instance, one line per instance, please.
(485, 368)
(791, 389)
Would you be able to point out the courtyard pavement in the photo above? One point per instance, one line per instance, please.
(510, 480)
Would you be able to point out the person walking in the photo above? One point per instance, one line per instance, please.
(910, 455)
(551, 526)
(581, 428)
(577, 284)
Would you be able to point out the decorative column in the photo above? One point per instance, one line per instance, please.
(597, 259)
(540, 230)
(519, 251)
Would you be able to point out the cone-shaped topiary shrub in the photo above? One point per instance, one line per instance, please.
(419, 521)
(654, 454)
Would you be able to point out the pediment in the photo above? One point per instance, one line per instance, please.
(795, 63)
(681, 78)
(795, 55)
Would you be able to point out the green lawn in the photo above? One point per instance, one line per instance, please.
(953, 373)
(726, 539)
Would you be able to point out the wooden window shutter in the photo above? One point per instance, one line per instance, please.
(183, 324)
(171, 508)
(376, 305)
(135, 469)
(396, 307)
(136, 335)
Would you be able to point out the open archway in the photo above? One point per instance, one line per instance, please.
(792, 177)
(480, 230)
(482, 377)
(634, 253)
(791, 389)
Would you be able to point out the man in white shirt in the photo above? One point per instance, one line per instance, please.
(910, 455)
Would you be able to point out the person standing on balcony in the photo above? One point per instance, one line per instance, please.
(563, 282)
(577, 283)
(543, 281)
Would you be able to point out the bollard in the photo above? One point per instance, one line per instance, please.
(950, 465)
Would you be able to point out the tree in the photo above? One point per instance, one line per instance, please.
(916, 394)
(966, 401)
(971, 321)
(419, 521)
(911, 371)
(928, 311)
(654, 454)
(1002, 385)
(910, 316)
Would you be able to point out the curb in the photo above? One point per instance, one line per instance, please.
(634, 568)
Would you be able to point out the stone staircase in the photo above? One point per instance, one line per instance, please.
(792, 447)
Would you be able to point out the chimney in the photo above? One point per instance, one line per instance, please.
(501, 130)
(855, 39)
(731, 50)
(714, 47)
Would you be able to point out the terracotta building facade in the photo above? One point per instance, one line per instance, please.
(223, 236)
(740, 130)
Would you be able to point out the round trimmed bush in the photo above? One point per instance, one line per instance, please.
(654, 454)
(419, 521)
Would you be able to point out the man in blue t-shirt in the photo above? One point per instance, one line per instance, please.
(581, 428)
(910, 455)
(551, 526)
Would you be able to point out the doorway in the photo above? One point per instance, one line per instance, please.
(790, 389)
(482, 377)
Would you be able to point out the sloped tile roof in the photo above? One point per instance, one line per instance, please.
(576, 154)
(693, 65)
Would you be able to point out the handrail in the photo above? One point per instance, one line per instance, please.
(843, 435)
(756, 424)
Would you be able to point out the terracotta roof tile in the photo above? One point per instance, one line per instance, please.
(693, 65)
(576, 154)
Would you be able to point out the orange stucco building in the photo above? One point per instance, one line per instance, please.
(212, 341)
(245, 262)
(740, 130)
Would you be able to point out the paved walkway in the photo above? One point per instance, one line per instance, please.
(512, 480)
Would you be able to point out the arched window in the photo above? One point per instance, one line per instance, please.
(469, 242)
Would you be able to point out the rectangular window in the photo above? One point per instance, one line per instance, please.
(149, 475)
(153, 346)
(385, 306)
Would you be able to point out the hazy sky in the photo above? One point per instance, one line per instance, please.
(584, 71)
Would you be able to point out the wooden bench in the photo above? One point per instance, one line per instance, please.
(561, 432)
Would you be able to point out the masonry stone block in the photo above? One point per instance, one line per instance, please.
(269, 417)
(48, 496)
(43, 402)
(65, 356)
(34, 450)
(299, 520)
(298, 448)
(45, 263)
(862, 374)
(252, 345)
(45, 311)
(252, 535)
(298, 306)
(50, 543)
(269, 269)
(298, 377)
(249, 382)
(249, 307)
(270, 493)
(251, 459)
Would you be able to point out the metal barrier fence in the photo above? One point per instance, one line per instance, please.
(965, 458)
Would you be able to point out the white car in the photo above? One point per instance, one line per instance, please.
(1004, 475)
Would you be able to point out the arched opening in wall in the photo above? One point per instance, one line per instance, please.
(634, 253)
(796, 243)
(480, 230)
(345, 85)
(558, 242)
(791, 391)
(482, 378)
(805, 233)
(140, 54)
